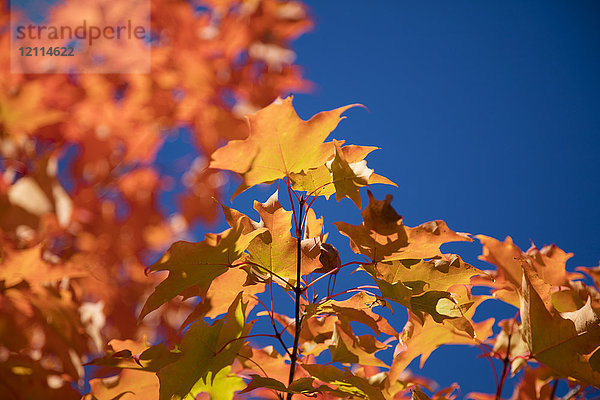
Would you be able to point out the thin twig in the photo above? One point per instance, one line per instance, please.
(265, 269)
(505, 367)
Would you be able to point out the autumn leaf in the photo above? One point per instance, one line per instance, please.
(205, 349)
(343, 174)
(420, 337)
(512, 335)
(222, 387)
(299, 386)
(191, 264)
(383, 236)
(358, 308)
(274, 248)
(549, 262)
(29, 265)
(222, 292)
(348, 348)
(129, 384)
(279, 143)
(563, 341)
(421, 285)
(264, 361)
(344, 382)
(129, 354)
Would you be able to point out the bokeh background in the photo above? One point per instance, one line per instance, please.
(487, 115)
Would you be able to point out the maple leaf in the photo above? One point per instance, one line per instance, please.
(348, 348)
(549, 263)
(279, 143)
(205, 349)
(299, 386)
(274, 248)
(29, 265)
(265, 361)
(191, 264)
(534, 385)
(357, 308)
(421, 336)
(222, 387)
(344, 382)
(221, 293)
(24, 111)
(129, 383)
(383, 236)
(421, 285)
(343, 174)
(563, 341)
(130, 354)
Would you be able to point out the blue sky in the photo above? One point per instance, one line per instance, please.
(488, 116)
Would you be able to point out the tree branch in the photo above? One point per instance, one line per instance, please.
(298, 291)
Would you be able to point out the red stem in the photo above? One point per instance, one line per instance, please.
(245, 337)
(505, 367)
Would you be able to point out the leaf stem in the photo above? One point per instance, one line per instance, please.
(265, 269)
(277, 333)
(244, 337)
(333, 271)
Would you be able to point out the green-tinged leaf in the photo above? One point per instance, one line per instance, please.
(197, 264)
(299, 386)
(222, 387)
(344, 174)
(205, 349)
(222, 292)
(315, 181)
(423, 285)
(275, 248)
(348, 176)
(344, 382)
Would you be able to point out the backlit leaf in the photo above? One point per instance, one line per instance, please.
(279, 144)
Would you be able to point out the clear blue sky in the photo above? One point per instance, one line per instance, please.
(488, 116)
